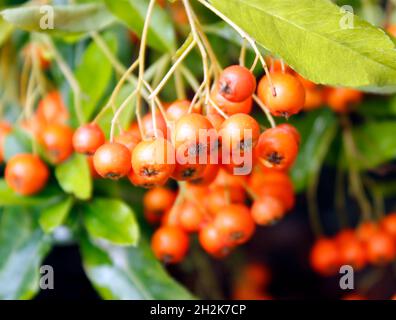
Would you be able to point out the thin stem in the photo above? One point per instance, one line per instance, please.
(265, 110)
(242, 55)
(354, 175)
(171, 70)
(313, 210)
(244, 35)
(218, 109)
(70, 78)
(255, 62)
(179, 83)
(189, 76)
(142, 60)
(339, 200)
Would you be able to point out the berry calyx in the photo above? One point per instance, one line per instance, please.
(112, 161)
(170, 244)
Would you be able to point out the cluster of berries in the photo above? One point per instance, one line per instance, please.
(371, 243)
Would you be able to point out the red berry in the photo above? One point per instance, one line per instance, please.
(112, 160)
(26, 174)
(170, 244)
(88, 138)
(236, 83)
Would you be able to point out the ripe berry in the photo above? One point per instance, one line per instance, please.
(388, 224)
(215, 119)
(88, 138)
(170, 244)
(230, 107)
(188, 171)
(57, 140)
(191, 218)
(177, 109)
(220, 197)
(289, 128)
(381, 248)
(366, 230)
(286, 97)
(325, 257)
(208, 176)
(26, 174)
(267, 210)
(352, 252)
(156, 202)
(128, 139)
(236, 83)
(51, 109)
(235, 223)
(112, 160)
(153, 162)
(341, 100)
(213, 242)
(275, 65)
(5, 129)
(391, 29)
(240, 132)
(148, 126)
(277, 148)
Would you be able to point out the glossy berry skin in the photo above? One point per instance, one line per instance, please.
(352, 252)
(178, 109)
(233, 136)
(213, 242)
(191, 217)
(267, 210)
(230, 107)
(235, 223)
(170, 244)
(148, 126)
(220, 197)
(341, 100)
(88, 138)
(26, 174)
(128, 139)
(112, 161)
(388, 224)
(277, 148)
(236, 83)
(289, 98)
(208, 176)
(153, 162)
(187, 134)
(215, 119)
(5, 129)
(366, 230)
(381, 248)
(156, 202)
(188, 171)
(325, 257)
(57, 140)
(291, 129)
(51, 109)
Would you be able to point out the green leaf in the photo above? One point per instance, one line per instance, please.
(94, 74)
(375, 142)
(112, 220)
(161, 35)
(308, 35)
(67, 19)
(55, 215)
(129, 273)
(22, 250)
(74, 177)
(17, 142)
(9, 198)
(317, 131)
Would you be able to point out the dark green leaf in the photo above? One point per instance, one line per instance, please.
(74, 177)
(68, 19)
(376, 143)
(309, 36)
(161, 35)
(317, 131)
(22, 250)
(112, 220)
(55, 215)
(129, 273)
